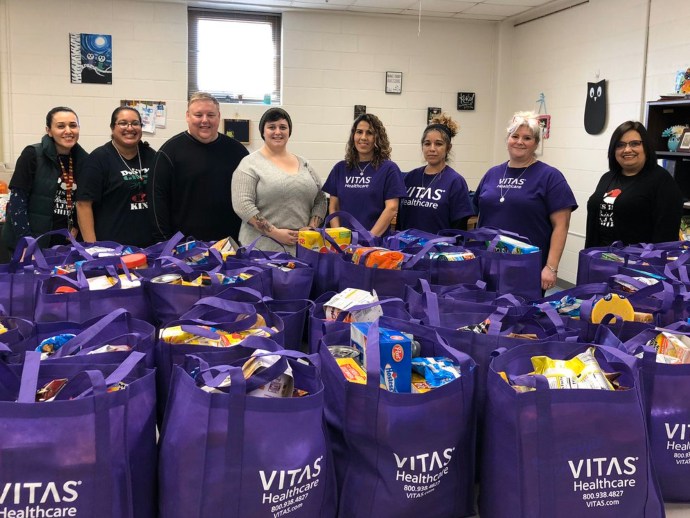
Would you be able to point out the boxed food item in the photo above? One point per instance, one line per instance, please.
(508, 245)
(349, 298)
(352, 370)
(396, 355)
(313, 240)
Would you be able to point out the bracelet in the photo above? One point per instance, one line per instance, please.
(553, 270)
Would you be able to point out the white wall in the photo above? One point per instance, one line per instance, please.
(560, 53)
(331, 62)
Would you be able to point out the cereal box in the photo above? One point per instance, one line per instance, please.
(313, 239)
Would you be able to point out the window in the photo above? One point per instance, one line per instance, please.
(234, 56)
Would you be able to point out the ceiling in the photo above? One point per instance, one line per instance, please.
(495, 10)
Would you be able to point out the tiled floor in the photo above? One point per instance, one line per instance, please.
(677, 510)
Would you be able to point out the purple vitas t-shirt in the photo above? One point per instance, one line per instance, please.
(434, 202)
(363, 191)
(529, 195)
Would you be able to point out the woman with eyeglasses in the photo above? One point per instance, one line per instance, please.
(112, 200)
(527, 196)
(45, 181)
(637, 200)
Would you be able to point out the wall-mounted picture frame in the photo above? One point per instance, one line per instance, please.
(360, 109)
(432, 112)
(685, 141)
(393, 82)
(237, 129)
(466, 101)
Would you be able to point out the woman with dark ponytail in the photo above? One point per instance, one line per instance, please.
(437, 195)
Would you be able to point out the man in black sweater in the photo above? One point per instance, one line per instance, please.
(192, 175)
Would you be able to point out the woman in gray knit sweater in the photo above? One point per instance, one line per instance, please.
(275, 192)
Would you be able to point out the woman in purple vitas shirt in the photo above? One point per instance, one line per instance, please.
(437, 196)
(527, 196)
(367, 184)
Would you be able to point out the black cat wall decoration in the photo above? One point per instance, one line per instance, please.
(595, 107)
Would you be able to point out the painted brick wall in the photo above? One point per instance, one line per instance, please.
(331, 62)
(560, 53)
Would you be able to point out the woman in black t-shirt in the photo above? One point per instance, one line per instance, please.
(112, 202)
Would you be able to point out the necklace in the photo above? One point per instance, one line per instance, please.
(67, 176)
(138, 173)
(435, 176)
(500, 185)
(362, 169)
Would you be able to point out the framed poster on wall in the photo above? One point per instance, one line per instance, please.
(237, 129)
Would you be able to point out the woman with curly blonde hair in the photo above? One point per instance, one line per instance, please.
(367, 184)
(527, 196)
(437, 195)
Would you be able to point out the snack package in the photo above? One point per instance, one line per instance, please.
(351, 297)
(436, 371)
(508, 245)
(675, 346)
(568, 306)
(103, 282)
(226, 247)
(50, 345)
(352, 370)
(313, 240)
(377, 257)
(481, 329)
(396, 355)
(419, 384)
(452, 256)
(282, 386)
(212, 336)
(581, 372)
(630, 288)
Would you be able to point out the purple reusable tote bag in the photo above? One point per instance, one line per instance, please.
(564, 453)
(404, 455)
(666, 388)
(238, 456)
(89, 452)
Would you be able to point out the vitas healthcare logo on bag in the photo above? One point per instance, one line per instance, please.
(605, 477)
(32, 499)
(678, 441)
(422, 473)
(288, 489)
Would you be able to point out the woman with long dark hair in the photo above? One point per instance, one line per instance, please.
(367, 184)
(44, 182)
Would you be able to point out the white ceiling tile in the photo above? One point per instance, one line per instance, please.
(491, 10)
(396, 5)
(495, 9)
(526, 3)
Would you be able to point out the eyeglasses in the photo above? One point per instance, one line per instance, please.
(634, 144)
(125, 124)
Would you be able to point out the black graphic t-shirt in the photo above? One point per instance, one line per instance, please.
(118, 189)
(606, 203)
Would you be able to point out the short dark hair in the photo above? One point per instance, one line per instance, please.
(618, 133)
(273, 115)
(117, 111)
(51, 113)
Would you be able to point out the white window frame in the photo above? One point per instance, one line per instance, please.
(194, 15)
